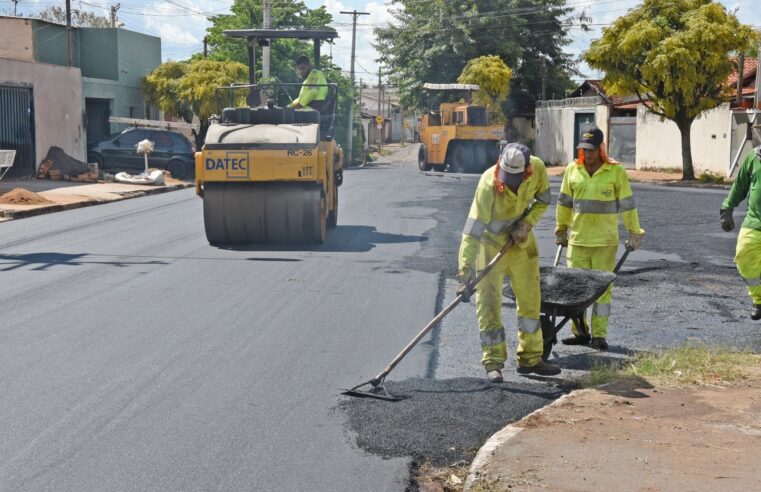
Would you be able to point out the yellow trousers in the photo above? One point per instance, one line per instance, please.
(748, 260)
(595, 258)
(521, 264)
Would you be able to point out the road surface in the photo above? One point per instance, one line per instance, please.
(135, 356)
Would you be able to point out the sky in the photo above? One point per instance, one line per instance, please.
(181, 24)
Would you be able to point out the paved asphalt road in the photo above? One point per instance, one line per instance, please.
(137, 357)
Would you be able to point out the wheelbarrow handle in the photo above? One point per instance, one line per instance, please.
(622, 260)
(558, 254)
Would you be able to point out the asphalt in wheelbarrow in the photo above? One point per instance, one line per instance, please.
(571, 287)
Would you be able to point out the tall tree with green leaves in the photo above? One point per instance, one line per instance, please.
(433, 40)
(79, 18)
(493, 78)
(184, 89)
(675, 55)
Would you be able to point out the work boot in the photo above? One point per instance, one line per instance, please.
(542, 368)
(494, 376)
(755, 313)
(577, 340)
(599, 343)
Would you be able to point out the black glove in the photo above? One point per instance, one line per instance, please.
(727, 222)
(465, 278)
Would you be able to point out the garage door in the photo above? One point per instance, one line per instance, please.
(17, 128)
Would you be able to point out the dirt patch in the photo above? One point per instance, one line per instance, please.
(21, 196)
(626, 437)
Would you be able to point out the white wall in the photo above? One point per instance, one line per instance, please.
(57, 96)
(554, 133)
(659, 144)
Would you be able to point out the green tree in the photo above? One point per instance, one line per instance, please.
(182, 89)
(432, 40)
(492, 76)
(675, 55)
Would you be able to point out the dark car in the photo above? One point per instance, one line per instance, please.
(171, 151)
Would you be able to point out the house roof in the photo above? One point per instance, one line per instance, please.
(749, 72)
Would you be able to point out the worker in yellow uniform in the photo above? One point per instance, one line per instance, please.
(510, 199)
(748, 251)
(594, 192)
(314, 88)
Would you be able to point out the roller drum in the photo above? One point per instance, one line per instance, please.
(241, 213)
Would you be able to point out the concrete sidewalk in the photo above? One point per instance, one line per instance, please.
(65, 195)
(628, 436)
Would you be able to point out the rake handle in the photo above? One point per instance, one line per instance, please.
(442, 314)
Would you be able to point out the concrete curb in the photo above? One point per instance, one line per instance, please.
(59, 207)
(503, 436)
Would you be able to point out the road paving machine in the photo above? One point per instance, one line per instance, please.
(458, 135)
(268, 173)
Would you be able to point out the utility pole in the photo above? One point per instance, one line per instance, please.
(205, 47)
(15, 3)
(740, 77)
(380, 102)
(69, 40)
(350, 130)
(114, 8)
(757, 99)
(266, 24)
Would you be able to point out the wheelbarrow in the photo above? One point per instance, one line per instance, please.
(566, 294)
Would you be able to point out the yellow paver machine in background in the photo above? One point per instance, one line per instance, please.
(268, 173)
(459, 135)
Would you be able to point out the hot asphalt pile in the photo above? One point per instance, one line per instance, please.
(569, 287)
(441, 421)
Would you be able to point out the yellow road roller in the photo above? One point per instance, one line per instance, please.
(268, 173)
(458, 136)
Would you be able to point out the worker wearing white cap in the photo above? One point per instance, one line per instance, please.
(510, 199)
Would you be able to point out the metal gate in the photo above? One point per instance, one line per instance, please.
(623, 140)
(17, 128)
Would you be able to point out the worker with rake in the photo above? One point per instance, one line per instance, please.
(748, 251)
(510, 199)
(594, 193)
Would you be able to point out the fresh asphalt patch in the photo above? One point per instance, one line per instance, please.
(441, 421)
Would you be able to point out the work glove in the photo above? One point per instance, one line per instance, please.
(727, 222)
(561, 237)
(521, 231)
(634, 241)
(464, 278)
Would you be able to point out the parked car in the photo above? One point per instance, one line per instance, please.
(171, 151)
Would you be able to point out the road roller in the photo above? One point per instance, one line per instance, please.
(458, 136)
(268, 173)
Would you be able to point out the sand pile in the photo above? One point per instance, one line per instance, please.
(21, 196)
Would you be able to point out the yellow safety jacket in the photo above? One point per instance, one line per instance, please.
(590, 206)
(309, 94)
(493, 212)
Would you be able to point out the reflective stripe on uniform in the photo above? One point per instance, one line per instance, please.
(595, 206)
(544, 197)
(527, 325)
(474, 227)
(752, 282)
(565, 200)
(626, 204)
(492, 337)
(601, 309)
(497, 226)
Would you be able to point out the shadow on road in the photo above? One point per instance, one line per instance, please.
(44, 261)
(442, 421)
(342, 239)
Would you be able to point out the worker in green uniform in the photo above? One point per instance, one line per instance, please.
(748, 251)
(593, 194)
(510, 199)
(310, 95)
